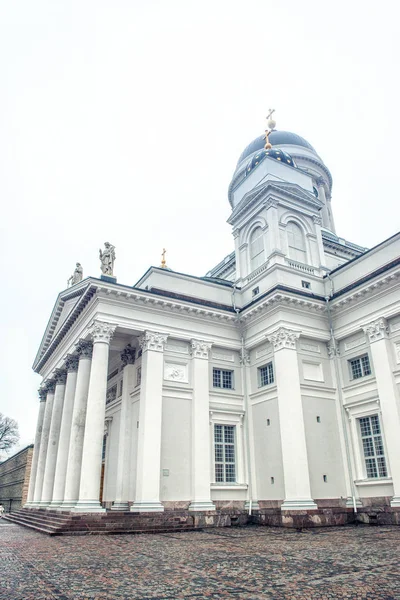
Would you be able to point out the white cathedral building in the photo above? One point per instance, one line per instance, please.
(269, 387)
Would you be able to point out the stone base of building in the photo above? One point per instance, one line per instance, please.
(178, 517)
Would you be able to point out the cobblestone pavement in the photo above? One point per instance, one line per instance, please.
(252, 562)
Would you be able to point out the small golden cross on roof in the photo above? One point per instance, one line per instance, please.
(163, 262)
(271, 112)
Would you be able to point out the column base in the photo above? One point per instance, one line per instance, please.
(202, 505)
(54, 504)
(67, 505)
(395, 502)
(147, 507)
(299, 504)
(253, 505)
(120, 506)
(85, 506)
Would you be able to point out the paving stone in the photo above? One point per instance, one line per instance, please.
(353, 562)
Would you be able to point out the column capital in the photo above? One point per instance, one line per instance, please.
(84, 349)
(376, 330)
(101, 331)
(128, 355)
(60, 376)
(42, 391)
(320, 181)
(152, 340)
(71, 362)
(50, 385)
(200, 348)
(317, 219)
(284, 338)
(244, 357)
(333, 348)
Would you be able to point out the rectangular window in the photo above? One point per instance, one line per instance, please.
(266, 374)
(360, 366)
(223, 379)
(224, 445)
(372, 443)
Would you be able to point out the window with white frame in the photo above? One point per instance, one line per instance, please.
(223, 379)
(225, 453)
(360, 366)
(266, 374)
(296, 242)
(372, 443)
(256, 248)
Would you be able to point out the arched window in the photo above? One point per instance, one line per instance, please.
(256, 248)
(296, 243)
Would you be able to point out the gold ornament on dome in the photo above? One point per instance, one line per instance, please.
(271, 126)
(163, 261)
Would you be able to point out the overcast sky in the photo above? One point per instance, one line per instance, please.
(123, 120)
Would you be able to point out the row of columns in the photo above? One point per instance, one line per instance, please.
(66, 466)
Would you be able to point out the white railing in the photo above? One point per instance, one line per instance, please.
(300, 266)
(254, 274)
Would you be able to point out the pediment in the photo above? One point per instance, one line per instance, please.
(64, 306)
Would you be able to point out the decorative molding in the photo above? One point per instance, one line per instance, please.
(101, 331)
(310, 347)
(42, 394)
(60, 376)
(264, 351)
(376, 330)
(271, 203)
(128, 355)
(244, 357)
(175, 372)
(178, 349)
(333, 348)
(107, 424)
(71, 362)
(320, 181)
(284, 338)
(84, 349)
(50, 385)
(300, 302)
(317, 220)
(224, 357)
(397, 352)
(152, 340)
(200, 349)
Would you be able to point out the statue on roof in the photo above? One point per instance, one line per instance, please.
(77, 275)
(107, 258)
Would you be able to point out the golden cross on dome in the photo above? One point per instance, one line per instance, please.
(271, 112)
(163, 262)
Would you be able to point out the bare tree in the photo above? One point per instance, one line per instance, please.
(9, 434)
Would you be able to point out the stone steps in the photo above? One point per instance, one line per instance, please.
(54, 523)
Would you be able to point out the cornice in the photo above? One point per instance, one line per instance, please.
(286, 298)
(316, 162)
(353, 293)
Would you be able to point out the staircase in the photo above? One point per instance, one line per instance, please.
(53, 522)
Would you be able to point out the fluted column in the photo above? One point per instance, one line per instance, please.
(54, 434)
(125, 433)
(147, 494)
(389, 397)
(291, 419)
(74, 462)
(89, 488)
(201, 475)
(71, 365)
(36, 447)
(49, 387)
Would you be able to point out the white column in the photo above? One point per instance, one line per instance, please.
(147, 493)
(237, 254)
(89, 489)
(74, 463)
(49, 386)
(291, 420)
(377, 332)
(273, 227)
(71, 365)
(54, 434)
(36, 447)
(321, 254)
(125, 431)
(201, 459)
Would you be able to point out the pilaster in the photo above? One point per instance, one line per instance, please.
(89, 488)
(201, 475)
(147, 492)
(377, 334)
(293, 438)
